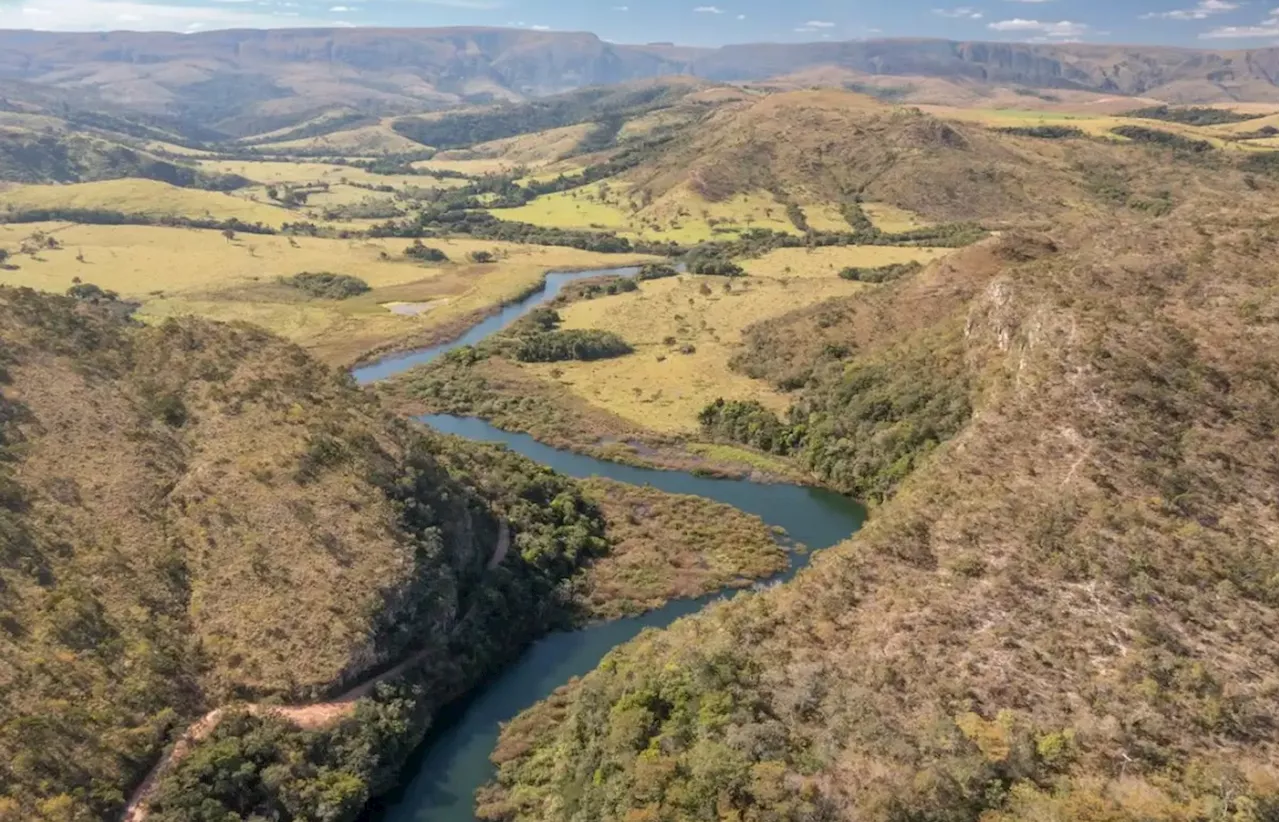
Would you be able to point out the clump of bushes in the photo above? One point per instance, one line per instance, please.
(91, 293)
(425, 253)
(1162, 138)
(880, 274)
(327, 285)
(1045, 132)
(574, 344)
(713, 263)
(1191, 116)
(655, 271)
(1261, 162)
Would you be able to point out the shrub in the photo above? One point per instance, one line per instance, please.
(1046, 132)
(655, 271)
(1138, 134)
(481, 256)
(712, 263)
(1192, 116)
(426, 253)
(91, 293)
(326, 285)
(574, 344)
(1261, 162)
(880, 274)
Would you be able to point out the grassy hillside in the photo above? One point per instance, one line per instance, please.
(144, 197)
(1064, 609)
(30, 157)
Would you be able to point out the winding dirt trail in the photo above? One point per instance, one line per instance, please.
(309, 717)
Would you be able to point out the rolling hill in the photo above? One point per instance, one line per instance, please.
(239, 83)
(173, 498)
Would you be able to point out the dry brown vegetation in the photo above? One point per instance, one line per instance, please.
(672, 546)
(826, 147)
(1068, 611)
(194, 513)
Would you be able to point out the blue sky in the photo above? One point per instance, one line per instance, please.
(1205, 23)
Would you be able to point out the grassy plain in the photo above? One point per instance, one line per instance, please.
(151, 197)
(302, 172)
(659, 387)
(175, 271)
(826, 261)
(1101, 125)
(372, 139)
(680, 216)
(662, 389)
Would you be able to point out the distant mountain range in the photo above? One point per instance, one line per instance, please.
(242, 81)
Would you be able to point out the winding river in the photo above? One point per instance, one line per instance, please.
(442, 777)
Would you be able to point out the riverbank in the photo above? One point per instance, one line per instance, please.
(509, 397)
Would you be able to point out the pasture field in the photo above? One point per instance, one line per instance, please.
(303, 172)
(533, 150)
(893, 220)
(680, 216)
(826, 261)
(658, 387)
(1101, 126)
(175, 271)
(365, 140)
(150, 197)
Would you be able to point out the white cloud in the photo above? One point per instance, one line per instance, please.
(1059, 30)
(742, 17)
(622, 8)
(820, 24)
(965, 12)
(341, 8)
(708, 10)
(139, 15)
(540, 28)
(1238, 32)
(1201, 10)
(1269, 28)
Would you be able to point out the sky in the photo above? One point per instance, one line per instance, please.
(1195, 23)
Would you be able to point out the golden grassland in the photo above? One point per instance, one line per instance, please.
(672, 546)
(175, 271)
(303, 172)
(1101, 125)
(151, 197)
(659, 387)
(680, 216)
(378, 138)
(537, 149)
(891, 219)
(662, 389)
(825, 262)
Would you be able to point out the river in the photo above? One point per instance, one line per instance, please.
(442, 777)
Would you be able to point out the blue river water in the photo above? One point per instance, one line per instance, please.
(441, 779)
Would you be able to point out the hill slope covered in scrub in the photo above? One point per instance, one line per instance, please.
(28, 157)
(1067, 609)
(194, 514)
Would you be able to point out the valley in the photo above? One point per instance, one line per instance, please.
(534, 423)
